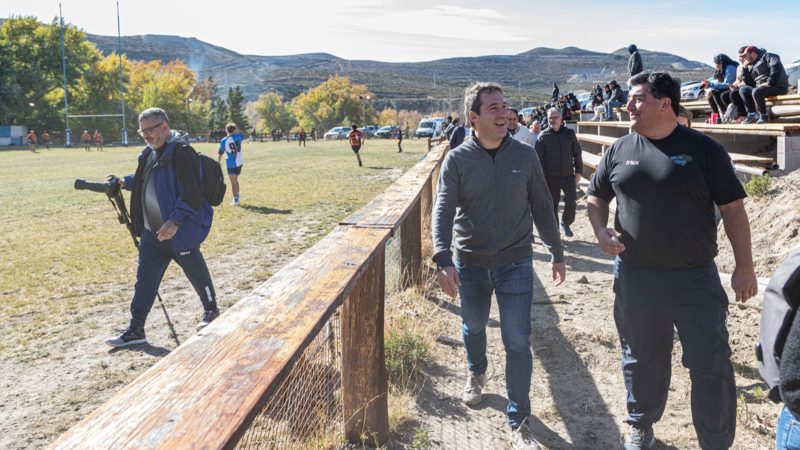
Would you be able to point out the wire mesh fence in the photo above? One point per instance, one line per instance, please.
(305, 412)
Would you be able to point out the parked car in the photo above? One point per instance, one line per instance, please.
(387, 132)
(336, 133)
(585, 99)
(369, 130)
(793, 71)
(692, 90)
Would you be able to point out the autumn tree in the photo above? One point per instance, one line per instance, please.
(408, 119)
(332, 103)
(388, 117)
(273, 113)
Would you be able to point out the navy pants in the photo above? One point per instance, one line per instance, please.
(755, 98)
(154, 257)
(648, 304)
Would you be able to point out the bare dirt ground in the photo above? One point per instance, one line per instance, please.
(577, 392)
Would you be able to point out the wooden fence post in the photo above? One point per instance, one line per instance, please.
(411, 248)
(364, 380)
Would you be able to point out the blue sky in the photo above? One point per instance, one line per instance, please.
(415, 30)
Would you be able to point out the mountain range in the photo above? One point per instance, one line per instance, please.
(425, 86)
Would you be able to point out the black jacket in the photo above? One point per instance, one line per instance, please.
(559, 153)
(769, 69)
(790, 369)
(635, 64)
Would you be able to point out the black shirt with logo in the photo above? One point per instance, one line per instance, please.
(666, 190)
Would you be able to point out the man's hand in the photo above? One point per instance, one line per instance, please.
(449, 280)
(744, 283)
(608, 238)
(167, 231)
(577, 179)
(559, 273)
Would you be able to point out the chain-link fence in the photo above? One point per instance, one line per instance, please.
(305, 412)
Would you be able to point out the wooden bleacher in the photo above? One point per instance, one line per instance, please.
(775, 104)
(745, 163)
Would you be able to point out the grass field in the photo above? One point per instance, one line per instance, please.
(62, 250)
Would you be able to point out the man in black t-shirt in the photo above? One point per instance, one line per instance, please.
(666, 179)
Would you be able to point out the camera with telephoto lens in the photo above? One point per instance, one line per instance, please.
(110, 187)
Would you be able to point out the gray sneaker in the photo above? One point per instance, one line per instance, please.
(208, 317)
(763, 119)
(128, 337)
(522, 438)
(472, 390)
(639, 438)
(751, 117)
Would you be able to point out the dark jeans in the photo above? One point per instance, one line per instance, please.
(715, 101)
(567, 185)
(648, 304)
(734, 97)
(754, 97)
(513, 286)
(154, 257)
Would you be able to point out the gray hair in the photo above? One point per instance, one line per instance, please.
(554, 110)
(154, 114)
(472, 96)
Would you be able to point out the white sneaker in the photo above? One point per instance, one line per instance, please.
(522, 438)
(472, 390)
(235, 202)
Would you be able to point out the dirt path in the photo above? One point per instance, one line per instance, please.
(577, 393)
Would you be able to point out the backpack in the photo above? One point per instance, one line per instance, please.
(781, 300)
(212, 181)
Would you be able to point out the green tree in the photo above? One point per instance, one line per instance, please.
(273, 113)
(235, 104)
(334, 102)
(31, 88)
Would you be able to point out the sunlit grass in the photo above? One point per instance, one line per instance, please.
(62, 250)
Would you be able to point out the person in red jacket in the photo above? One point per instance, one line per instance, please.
(356, 138)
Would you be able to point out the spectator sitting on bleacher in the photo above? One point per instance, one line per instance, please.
(734, 105)
(770, 79)
(720, 83)
(598, 107)
(617, 99)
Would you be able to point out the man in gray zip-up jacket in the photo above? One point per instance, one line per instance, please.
(491, 191)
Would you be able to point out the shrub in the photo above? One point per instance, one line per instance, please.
(406, 354)
(757, 186)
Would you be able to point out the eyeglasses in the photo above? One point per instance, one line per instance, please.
(149, 130)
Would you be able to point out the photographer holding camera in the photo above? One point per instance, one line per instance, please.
(171, 218)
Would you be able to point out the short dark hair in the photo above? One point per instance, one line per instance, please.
(472, 96)
(660, 85)
(354, 126)
(230, 127)
(153, 114)
(514, 110)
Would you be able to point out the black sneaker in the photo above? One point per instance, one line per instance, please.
(567, 231)
(208, 317)
(129, 337)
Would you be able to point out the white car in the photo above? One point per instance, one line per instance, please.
(793, 71)
(336, 133)
(692, 90)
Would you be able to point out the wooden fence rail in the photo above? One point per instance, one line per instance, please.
(207, 392)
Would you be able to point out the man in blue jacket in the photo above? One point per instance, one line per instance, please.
(171, 218)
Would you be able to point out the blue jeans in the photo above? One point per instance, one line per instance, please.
(788, 432)
(154, 257)
(610, 108)
(513, 286)
(649, 304)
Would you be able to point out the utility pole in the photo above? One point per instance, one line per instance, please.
(121, 84)
(67, 142)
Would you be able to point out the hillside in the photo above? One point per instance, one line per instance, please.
(427, 85)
